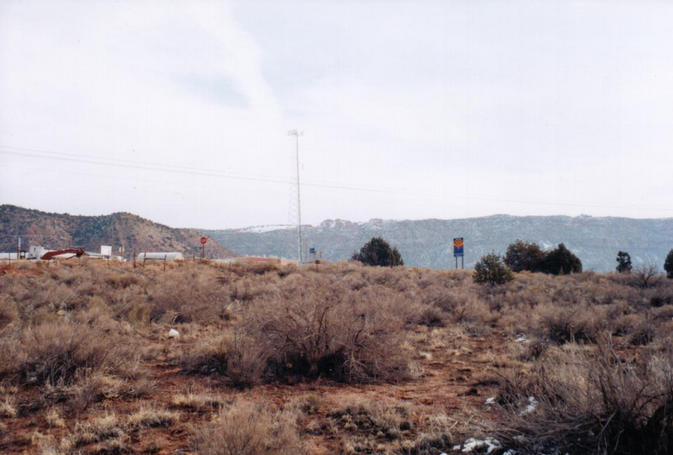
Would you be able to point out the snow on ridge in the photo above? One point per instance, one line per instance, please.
(267, 228)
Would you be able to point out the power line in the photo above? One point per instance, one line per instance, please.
(177, 169)
(60, 156)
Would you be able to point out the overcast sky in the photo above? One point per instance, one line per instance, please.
(179, 110)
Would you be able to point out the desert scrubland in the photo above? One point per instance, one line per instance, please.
(331, 359)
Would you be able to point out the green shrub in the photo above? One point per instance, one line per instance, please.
(491, 270)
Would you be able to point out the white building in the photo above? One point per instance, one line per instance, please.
(161, 256)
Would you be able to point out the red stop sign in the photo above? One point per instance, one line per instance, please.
(203, 240)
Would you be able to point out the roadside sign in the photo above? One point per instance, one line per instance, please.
(311, 250)
(203, 240)
(106, 250)
(458, 247)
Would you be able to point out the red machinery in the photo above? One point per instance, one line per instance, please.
(53, 254)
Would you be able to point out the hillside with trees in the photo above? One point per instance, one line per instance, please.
(56, 230)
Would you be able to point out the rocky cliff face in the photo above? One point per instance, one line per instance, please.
(428, 243)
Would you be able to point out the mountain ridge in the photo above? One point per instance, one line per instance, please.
(428, 242)
(423, 243)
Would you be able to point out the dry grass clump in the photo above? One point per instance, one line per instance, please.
(382, 427)
(108, 429)
(375, 418)
(578, 402)
(249, 429)
(151, 417)
(436, 437)
(196, 401)
(8, 408)
(112, 433)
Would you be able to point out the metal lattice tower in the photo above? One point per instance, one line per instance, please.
(296, 134)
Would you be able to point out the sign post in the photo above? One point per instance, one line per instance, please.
(203, 247)
(458, 245)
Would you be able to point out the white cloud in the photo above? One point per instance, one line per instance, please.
(442, 110)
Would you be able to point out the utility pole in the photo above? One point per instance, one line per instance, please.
(296, 134)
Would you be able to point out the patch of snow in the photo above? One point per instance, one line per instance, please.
(522, 339)
(489, 444)
(532, 406)
(173, 334)
(268, 228)
(490, 400)
(509, 452)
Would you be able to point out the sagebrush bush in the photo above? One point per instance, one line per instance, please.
(572, 323)
(249, 429)
(61, 352)
(326, 333)
(577, 402)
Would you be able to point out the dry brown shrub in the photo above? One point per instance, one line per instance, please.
(249, 429)
(255, 268)
(56, 353)
(431, 316)
(235, 356)
(9, 311)
(54, 418)
(121, 280)
(73, 363)
(186, 295)
(573, 323)
(321, 332)
(577, 402)
(311, 325)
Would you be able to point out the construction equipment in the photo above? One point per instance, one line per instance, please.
(63, 254)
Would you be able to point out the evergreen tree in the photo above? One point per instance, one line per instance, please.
(623, 262)
(668, 264)
(524, 256)
(378, 252)
(561, 261)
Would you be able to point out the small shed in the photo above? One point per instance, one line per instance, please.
(161, 256)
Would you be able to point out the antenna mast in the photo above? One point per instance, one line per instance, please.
(296, 134)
